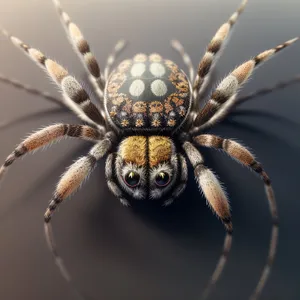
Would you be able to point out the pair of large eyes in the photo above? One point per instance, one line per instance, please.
(133, 179)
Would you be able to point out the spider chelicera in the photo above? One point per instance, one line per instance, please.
(148, 123)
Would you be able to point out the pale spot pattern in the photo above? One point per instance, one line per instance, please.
(137, 87)
(158, 88)
(157, 69)
(138, 69)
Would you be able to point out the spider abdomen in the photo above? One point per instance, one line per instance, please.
(147, 92)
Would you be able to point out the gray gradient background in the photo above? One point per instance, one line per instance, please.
(148, 252)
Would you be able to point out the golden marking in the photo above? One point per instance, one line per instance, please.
(125, 123)
(160, 150)
(156, 123)
(140, 58)
(171, 122)
(155, 57)
(133, 149)
(139, 123)
(113, 113)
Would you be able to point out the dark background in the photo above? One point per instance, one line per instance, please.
(150, 253)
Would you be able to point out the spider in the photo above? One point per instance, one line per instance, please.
(148, 123)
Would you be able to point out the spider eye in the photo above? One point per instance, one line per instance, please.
(162, 179)
(132, 178)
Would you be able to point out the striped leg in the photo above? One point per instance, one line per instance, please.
(218, 202)
(213, 51)
(30, 90)
(82, 48)
(185, 57)
(121, 44)
(75, 97)
(109, 173)
(47, 136)
(71, 180)
(182, 181)
(225, 94)
(242, 155)
(268, 90)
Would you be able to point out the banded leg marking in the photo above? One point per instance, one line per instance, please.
(245, 157)
(71, 180)
(185, 57)
(82, 48)
(121, 44)
(49, 135)
(75, 97)
(217, 200)
(213, 50)
(224, 96)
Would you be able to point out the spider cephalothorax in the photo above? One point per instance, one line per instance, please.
(143, 105)
(147, 167)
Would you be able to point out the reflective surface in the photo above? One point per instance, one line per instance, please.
(147, 252)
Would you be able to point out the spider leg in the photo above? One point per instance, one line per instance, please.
(217, 200)
(75, 97)
(121, 44)
(109, 173)
(82, 49)
(267, 90)
(71, 180)
(225, 94)
(182, 181)
(185, 57)
(243, 155)
(30, 90)
(47, 136)
(213, 52)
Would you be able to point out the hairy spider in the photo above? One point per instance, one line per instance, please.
(147, 123)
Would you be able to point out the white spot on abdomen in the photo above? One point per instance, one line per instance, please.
(137, 87)
(157, 69)
(138, 69)
(158, 88)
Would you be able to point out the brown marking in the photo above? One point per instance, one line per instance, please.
(83, 46)
(128, 106)
(133, 149)
(139, 107)
(44, 136)
(155, 107)
(56, 71)
(238, 152)
(118, 100)
(160, 150)
(214, 46)
(244, 71)
(90, 132)
(92, 64)
(264, 55)
(37, 55)
(205, 64)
